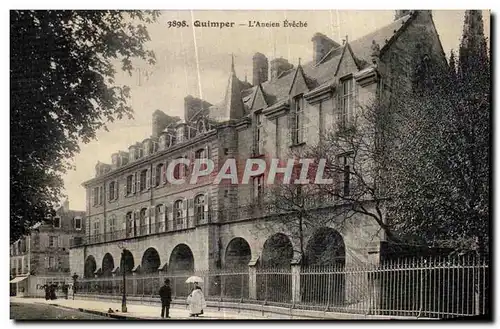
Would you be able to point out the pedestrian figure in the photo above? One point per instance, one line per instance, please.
(196, 301)
(53, 292)
(47, 291)
(166, 297)
(65, 290)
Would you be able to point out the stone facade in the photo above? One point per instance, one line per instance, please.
(194, 227)
(45, 251)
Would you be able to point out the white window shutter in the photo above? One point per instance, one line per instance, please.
(133, 183)
(116, 189)
(92, 195)
(153, 176)
(138, 181)
(185, 212)
(153, 220)
(164, 173)
(148, 178)
(136, 221)
(163, 217)
(124, 224)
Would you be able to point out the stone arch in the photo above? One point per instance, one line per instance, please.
(127, 261)
(277, 251)
(326, 248)
(89, 267)
(277, 254)
(238, 253)
(108, 264)
(237, 256)
(150, 261)
(181, 259)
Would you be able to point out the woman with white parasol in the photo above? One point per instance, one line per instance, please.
(196, 300)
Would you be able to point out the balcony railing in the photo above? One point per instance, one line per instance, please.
(171, 225)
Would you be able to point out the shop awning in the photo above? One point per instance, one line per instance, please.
(18, 279)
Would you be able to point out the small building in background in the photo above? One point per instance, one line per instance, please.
(44, 251)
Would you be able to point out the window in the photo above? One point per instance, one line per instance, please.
(178, 213)
(111, 191)
(130, 223)
(201, 154)
(96, 196)
(143, 180)
(346, 102)
(159, 218)
(298, 121)
(155, 146)
(199, 208)
(112, 223)
(57, 222)
(160, 172)
(52, 262)
(258, 188)
(129, 184)
(259, 138)
(141, 152)
(142, 220)
(345, 175)
(78, 223)
(101, 194)
(53, 241)
(96, 228)
(179, 170)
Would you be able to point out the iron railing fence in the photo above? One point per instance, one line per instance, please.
(430, 287)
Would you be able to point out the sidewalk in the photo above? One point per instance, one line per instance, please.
(135, 311)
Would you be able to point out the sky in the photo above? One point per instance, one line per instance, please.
(196, 61)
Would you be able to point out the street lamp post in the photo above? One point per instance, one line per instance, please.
(124, 296)
(124, 270)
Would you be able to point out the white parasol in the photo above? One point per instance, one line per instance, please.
(193, 279)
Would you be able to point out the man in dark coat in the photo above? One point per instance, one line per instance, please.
(166, 297)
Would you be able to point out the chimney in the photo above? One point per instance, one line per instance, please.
(278, 66)
(260, 69)
(193, 105)
(401, 13)
(114, 160)
(321, 46)
(159, 122)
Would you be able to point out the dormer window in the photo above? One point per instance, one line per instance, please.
(155, 146)
(259, 138)
(297, 128)
(346, 113)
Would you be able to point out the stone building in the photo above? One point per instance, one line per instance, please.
(169, 227)
(45, 250)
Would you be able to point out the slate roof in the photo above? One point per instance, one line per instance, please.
(316, 74)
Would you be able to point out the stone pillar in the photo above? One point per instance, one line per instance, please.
(296, 295)
(252, 281)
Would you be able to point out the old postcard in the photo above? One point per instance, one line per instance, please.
(238, 164)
